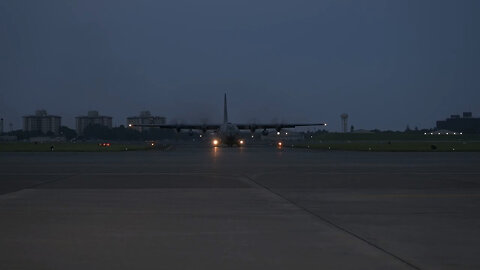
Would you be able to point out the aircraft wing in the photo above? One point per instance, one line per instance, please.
(278, 126)
(179, 126)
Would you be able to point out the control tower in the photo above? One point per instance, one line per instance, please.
(344, 118)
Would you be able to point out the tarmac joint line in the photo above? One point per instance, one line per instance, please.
(330, 222)
(63, 177)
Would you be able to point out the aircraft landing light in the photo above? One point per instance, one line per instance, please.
(241, 142)
(129, 125)
(215, 142)
(279, 144)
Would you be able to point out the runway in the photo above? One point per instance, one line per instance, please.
(239, 208)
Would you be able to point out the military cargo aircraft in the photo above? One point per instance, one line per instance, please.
(228, 133)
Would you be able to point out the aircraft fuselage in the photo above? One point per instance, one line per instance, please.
(228, 134)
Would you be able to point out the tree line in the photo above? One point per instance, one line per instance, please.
(102, 133)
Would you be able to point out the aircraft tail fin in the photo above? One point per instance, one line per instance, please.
(225, 112)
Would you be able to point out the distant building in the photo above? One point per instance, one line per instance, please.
(92, 118)
(145, 117)
(42, 122)
(464, 124)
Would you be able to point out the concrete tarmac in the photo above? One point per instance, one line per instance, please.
(239, 208)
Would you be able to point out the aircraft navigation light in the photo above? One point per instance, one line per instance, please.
(153, 144)
(130, 125)
(278, 132)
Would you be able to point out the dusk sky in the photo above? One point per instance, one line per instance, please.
(385, 63)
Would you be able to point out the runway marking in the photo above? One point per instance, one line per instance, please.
(36, 174)
(382, 173)
(255, 175)
(422, 195)
(330, 222)
(111, 174)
